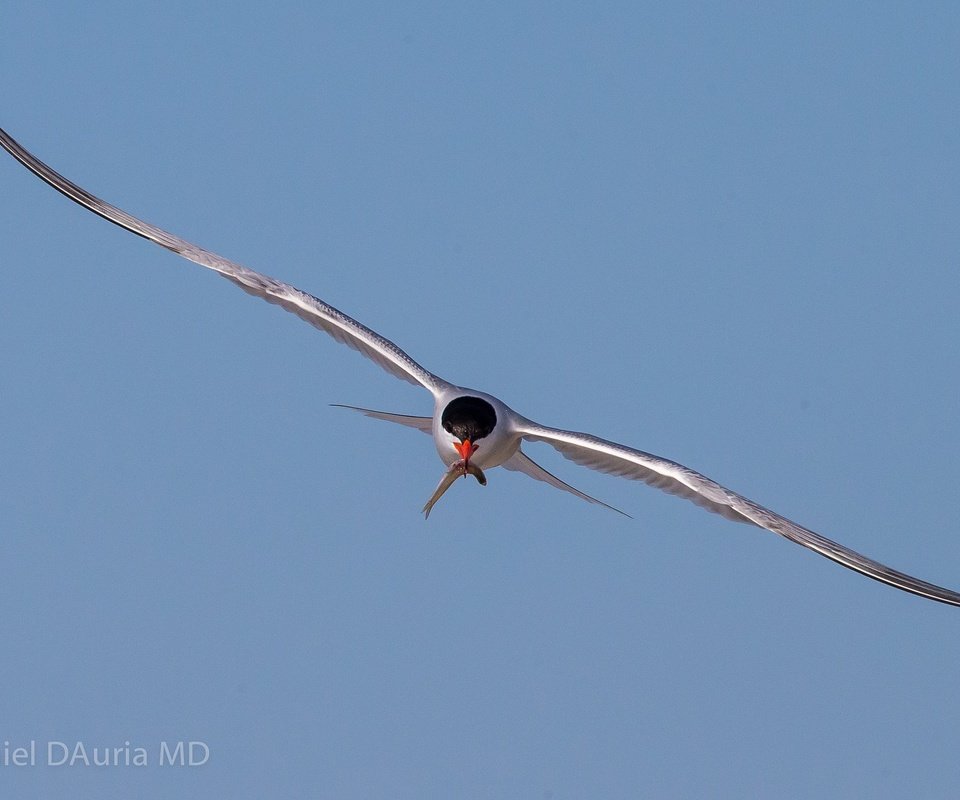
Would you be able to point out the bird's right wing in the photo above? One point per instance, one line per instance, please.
(321, 315)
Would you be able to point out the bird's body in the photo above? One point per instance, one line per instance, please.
(474, 431)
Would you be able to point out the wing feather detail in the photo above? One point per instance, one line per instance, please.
(321, 315)
(617, 459)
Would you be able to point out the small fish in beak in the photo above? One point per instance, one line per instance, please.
(458, 469)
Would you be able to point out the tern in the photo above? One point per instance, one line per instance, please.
(474, 431)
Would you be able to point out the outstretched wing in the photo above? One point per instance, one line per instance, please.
(617, 459)
(325, 317)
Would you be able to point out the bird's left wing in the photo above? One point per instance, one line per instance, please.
(617, 459)
(321, 315)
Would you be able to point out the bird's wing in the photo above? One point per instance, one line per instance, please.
(617, 459)
(424, 424)
(325, 317)
(521, 462)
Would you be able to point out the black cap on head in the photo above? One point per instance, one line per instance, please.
(468, 418)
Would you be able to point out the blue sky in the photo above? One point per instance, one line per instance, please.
(720, 234)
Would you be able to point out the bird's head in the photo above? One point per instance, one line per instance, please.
(467, 420)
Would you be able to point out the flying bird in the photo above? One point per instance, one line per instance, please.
(474, 431)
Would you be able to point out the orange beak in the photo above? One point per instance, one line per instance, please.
(466, 448)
